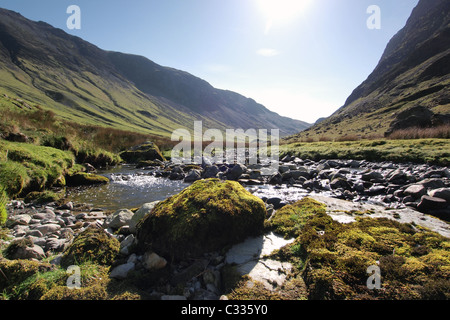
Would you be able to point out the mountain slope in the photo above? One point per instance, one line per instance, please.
(411, 81)
(84, 83)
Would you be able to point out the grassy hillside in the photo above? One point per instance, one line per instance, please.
(85, 84)
(414, 72)
(433, 151)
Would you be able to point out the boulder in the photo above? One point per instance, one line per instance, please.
(372, 176)
(193, 176)
(416, 191)
(119, 219)
(24, 249)
(85, 179)
(93, 245)
(141, 213)
(443, 193)
(20, 219)
(207, 216)
(428, 204)
(121, 271)
(235, 172)
(143, 152)
(432, 183)
(210, 172)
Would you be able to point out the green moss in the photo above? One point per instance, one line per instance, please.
(290, 220)
(44, 197)
(145, 152)
(333, 258)
(3, 202)
(248, 289)
(17, 271)
(207, 216)
(433, 151)
(85, 179)
(28, 167)
(92, 245)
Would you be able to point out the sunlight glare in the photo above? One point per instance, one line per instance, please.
(281, 11)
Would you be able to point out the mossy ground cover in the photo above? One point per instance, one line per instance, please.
(433, 151)
(333, 258)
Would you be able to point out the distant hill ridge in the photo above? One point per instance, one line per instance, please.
(81, 82)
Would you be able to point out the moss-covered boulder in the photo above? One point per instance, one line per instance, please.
(207, 216)
(92, 245)
(85, 179)
(14, 272)
(145, 152)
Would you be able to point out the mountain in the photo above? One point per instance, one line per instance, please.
(81, 82)
(410, 85)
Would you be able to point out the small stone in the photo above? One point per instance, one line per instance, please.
(121, 271)
(152, 261)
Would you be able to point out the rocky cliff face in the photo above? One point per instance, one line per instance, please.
(414, 71)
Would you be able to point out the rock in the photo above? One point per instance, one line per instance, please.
(193, 176)
(255, 248)
(48, 228)
(376, 190)
(145, 151)
(121, 271)
(126, 244)
(24, 249)
(55, 245)
(443, 193)
(21, 219)
(432, 183)
(276, 179)
(119, 219)
(428, 204)
(398, 176)
(47, 214)
(416, 191)
(235, 172)
(85, 179)
(141, 213)
(373, 176)
(205, 217)
(93, 245)
(210, 172)
(338, 183)
(152, 261)
(275, 202)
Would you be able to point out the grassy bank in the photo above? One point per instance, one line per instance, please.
(432, 151)
(26, 167)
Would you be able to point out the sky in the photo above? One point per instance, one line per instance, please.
(299, 58)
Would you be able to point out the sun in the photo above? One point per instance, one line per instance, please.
(281, 11)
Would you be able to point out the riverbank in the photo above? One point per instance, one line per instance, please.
(418, 151)
(333, 219)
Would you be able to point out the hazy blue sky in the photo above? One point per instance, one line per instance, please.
(300, 58)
